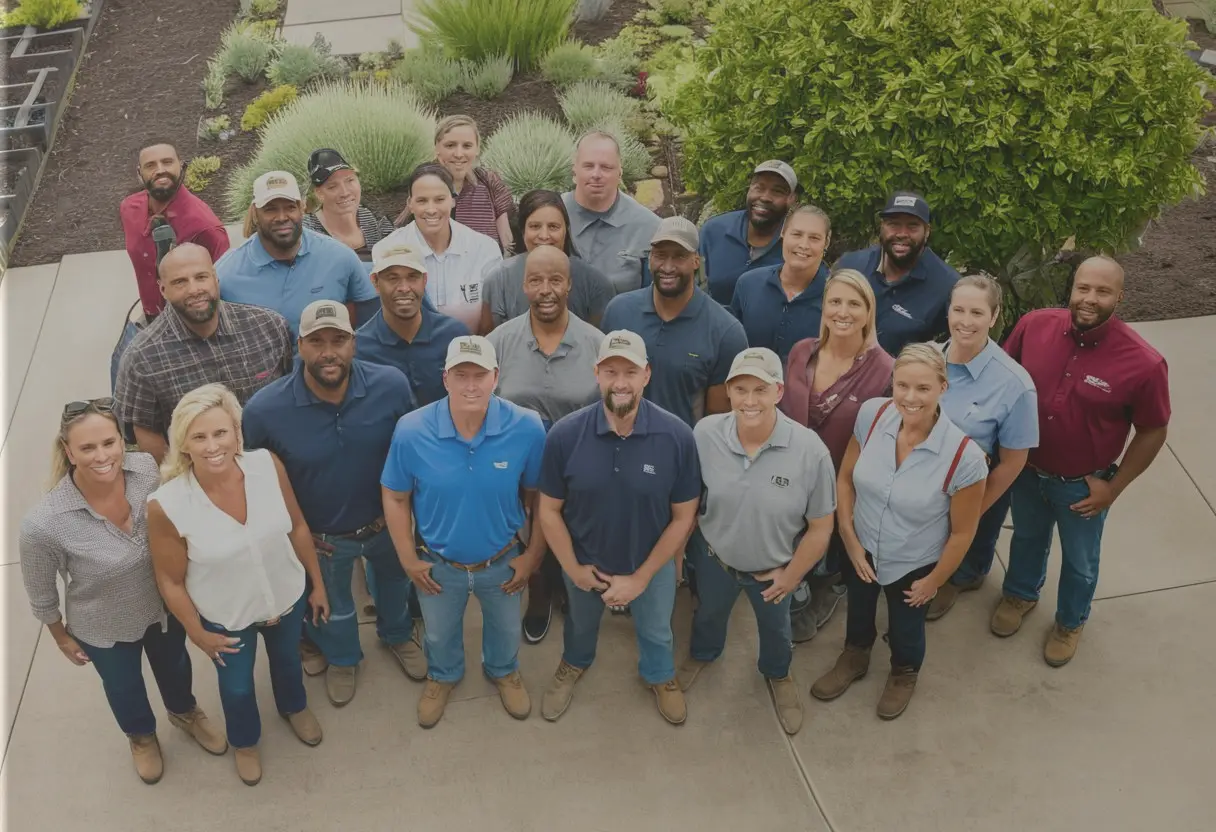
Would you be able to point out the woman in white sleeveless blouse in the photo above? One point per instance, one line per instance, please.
(231, 550)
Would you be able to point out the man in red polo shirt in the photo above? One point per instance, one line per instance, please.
(1096, 379)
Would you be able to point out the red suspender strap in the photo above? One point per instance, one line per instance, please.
(874, 424)
(958, 455)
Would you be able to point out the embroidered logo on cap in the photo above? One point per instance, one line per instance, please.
(326, 312)
(619, 342)
(276, 182)
(470, 347)
(905, 201)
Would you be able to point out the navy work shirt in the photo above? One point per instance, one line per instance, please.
(333, 454)
(771, 319)
(912, 309)
(421, 359)
(618, 490)
(726, 253)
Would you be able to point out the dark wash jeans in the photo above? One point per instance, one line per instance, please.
(977, 563)
(905, 623)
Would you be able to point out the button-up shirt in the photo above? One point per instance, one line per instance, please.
(771, 318)
(192, 221)
(616, 241)
(552, 385)
(726, 254)
(107, 572)
(1093, 386)
(250, 348)
(333, 454)
(453, 278)
(992, 400)
(503, 290)
(913, 308)
(421, 359)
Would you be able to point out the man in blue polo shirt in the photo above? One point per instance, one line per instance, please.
(406, 332)
(464, 467)
(620, 486)
(330, 422)
(739, 241)
(911, 284)
(285, 267)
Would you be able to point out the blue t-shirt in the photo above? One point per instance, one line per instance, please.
(466, 491)
(333, 454)
(726, 254)
(421, 359)
(772, 320)
(992, 399)
(618, 491)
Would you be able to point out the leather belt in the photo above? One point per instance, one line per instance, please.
(474, 567)
(730, 570)
(1103, 474)
(362, 533)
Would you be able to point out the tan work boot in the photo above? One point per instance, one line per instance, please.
(410, 655)
(312, 659)
(145, 751)
(787, 702)
(340, 685)
(901, 684)
(197, 725)
(670, 700)
(688, 671)
(305, 726)
(433, 701)
(1007, 619)
(1061, 645)
(947, 595)
(248, 765)
(560, 691)
(851, 665)
(514, 695)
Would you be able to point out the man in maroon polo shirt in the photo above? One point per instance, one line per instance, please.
(1096, 379)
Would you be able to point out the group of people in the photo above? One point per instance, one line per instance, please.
(623, 404)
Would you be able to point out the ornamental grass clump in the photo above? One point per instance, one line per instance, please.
(591, 104)
(523, 30)
(300, 66)
(487, 78)
(569, 63)
(531, 151)
(245, 53)
(432, 76)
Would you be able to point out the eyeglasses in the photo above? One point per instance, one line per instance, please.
(73, 409)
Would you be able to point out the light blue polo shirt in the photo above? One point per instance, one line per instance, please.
(901, 516)
(466, 492)
(421, 359)
(993, 400)
(726, 254)
(324, 269)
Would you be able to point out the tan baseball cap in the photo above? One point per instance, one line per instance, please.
(679, 230)
(325, 314)
(621, 343)
(760, 362)
(393, 250)
(780, 168)
(471, 349)
(277, 184)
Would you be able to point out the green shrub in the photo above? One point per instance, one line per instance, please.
(1023, 122)
(213, 85)
(635, 157)
(209, 129)
(200, 171)
(432, 76)
(676, 32)
(523, 30)
(265, 29)
(569, 63)
(384, 131)
(486, 78)
(618, 62)
(245, 53)
(673, 11)
(300, 66)
(530, 151)
(264, 10)
(42, 14)
(266, 105)
(588, 105)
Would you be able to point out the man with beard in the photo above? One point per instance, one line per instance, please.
(739, 241)
(331, 422)
(911, 284)
(406, 332)
(1097, 379)
(285, 267)
(198, 339)
(620, 484)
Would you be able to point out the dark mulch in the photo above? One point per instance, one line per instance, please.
(620, 13)
(529, 92)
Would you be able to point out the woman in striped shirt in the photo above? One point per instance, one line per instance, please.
(336, 188)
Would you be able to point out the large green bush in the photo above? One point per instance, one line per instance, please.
(523, 30)
(531, 151)
(1024, 122)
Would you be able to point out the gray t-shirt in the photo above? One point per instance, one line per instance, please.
(502, 287)
(552, 385)
(755, 511)
(616, 241)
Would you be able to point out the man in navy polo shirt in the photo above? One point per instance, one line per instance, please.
(330, 422)
(911, 284)
(620, 486)
(464, 467)
(407, 332)
(739, 241)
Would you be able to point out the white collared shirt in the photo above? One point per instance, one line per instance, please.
(453, 278)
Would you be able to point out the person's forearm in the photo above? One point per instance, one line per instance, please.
(953, 553)
(400, 521)
(811, 548)
(503, 224)
(151, 442)
(671, 542)
(306, 552)
(557, 537)
(58, 631)
(999, 480)
(535, 532)
(1141, 452)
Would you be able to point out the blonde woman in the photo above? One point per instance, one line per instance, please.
(231, 551)
(90, 528)
(908, 502)
(340, 214)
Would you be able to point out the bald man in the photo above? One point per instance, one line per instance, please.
(198, 339)
(1097, 381)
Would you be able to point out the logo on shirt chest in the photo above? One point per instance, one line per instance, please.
(471, 292)
(648, 469)
(501, 466)
(1094, 381)
(780, 482)
(899, 310)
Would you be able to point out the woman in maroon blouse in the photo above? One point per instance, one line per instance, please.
(826, 381)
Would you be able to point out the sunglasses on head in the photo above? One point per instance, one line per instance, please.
(103, 405)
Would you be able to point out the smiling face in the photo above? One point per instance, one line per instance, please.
(160, 171)
(327, 354)
(753, 400)
(212, 441)
(469, 388)
(621, 384)
(341, 193)
(457, 151)
(187, 280)
(280, 223)
(547, 283)
(970, 317)
(94, 447)
(672, 268)
(1097, 288)
(431, 204)
(768, 200)
(545, 227)
(844, 311)
(804, 239)
(903, 238)
(401, 290)
(916, 389)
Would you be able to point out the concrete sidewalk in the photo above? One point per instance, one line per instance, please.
(1121, 739)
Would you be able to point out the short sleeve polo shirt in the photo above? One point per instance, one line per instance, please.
(466, 491)
(992, 399)
(769, 317)
(421, 359)
(333, 454)
(616, 241)
(552, 385)
(618, 490)
(726, 254)
(688, 354)
(454, 277)
(755, 509)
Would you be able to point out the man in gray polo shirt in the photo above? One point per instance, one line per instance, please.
(770, 493)
(611, 229)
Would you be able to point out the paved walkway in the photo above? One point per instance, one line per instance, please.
(1121, 739)
(352, 27)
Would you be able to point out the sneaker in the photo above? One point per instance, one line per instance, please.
(787, 703)
(340, 685)
(947, 595)
(560, 691)
(901, 684)
(305, 726)
(248, 765)
(670, 700)
(312, 658)
(1007, 619)
(433, 701)
(1061, 645)
(514, 695)
(824, 602)
(145, 752)
(536, 623)
(197, 725)
(688, 671)
(851, 665)
(410, 655)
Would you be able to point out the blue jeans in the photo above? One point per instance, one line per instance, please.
(339, 637)
(128, 335)
(905, 623)
(719, 589)
(978, 560)
(121, 670)
(286, 675)
(1041, 505)
(651, 613)
(501, 623)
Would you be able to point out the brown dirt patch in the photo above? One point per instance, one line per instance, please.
(529, 92)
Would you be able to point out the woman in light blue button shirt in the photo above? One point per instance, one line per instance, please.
(908, 501)
(993, 400)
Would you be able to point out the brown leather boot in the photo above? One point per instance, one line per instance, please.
(851, 665)
(901, 684)
(1007, 618)
(787, 703)
(433, 701)
(670, 700)
(145, 751)
(1061, 645)
(197, 725)
(944, 600)
(305, 726)
(560, 691)
(248, 765)
(514, 695)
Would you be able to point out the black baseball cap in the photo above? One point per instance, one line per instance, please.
(324, 163)
(907, 202)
